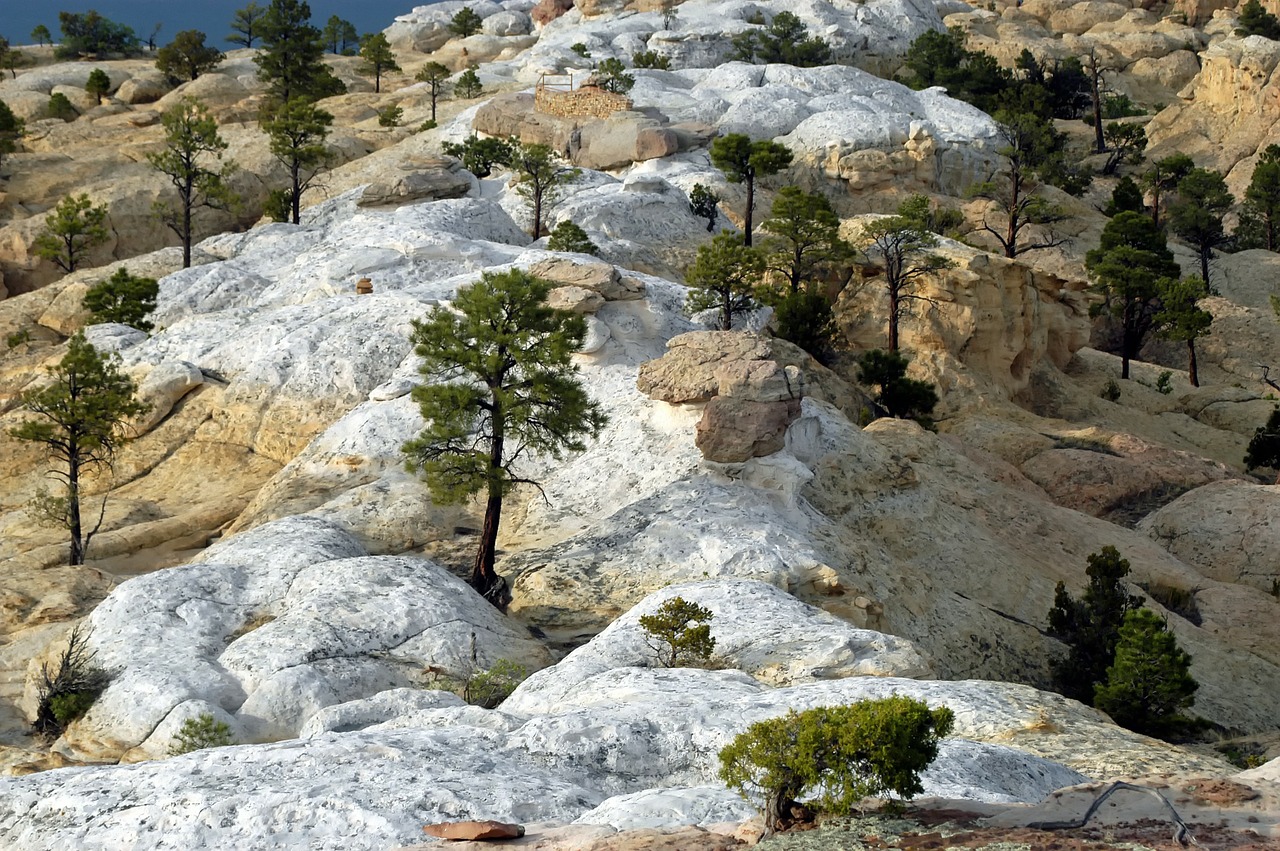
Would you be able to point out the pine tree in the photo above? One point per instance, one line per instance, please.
(124, 298)
(98, 83)
(187, 57)
(805, 237)
(724, 277)
(705, 204)
(1182, 318)
(903, 250)
(291, 61)
(1091, 626)
(1261, 212)
(339, 35)
(191, 138)
(297, 131)
(1264, 446)
(434, 75)
(81, 420)
(899, 396)
(567, 236)
(74, 227)
(1125, 198)
(1031, 146)
(246, 26)
(468, 85)
(541, 180)
(465, 22)
(1255, 20)
(12, 129)
(375, 50)
(742, 161)
(1150, 680)
(42, 35)
(1197, 216)
(502, 385)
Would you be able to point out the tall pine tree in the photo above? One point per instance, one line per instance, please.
(291, 61)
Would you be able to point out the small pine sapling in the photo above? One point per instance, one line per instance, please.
(679, 632)
(200, 732)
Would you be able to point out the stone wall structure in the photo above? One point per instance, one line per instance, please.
(586, 100)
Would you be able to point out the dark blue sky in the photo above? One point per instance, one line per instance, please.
(212, 17)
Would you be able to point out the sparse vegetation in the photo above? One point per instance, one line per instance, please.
(786, 40)
(124, 298)
(468, 85)
(390, 116)
(187, 57)
(567, 236)
(74, 227)
(67, 693)
(679, 632)
(651, 59)
(724, 277)
(200, 732)
(488, 688)
(465, 22)
(59, 107)
(898, 396)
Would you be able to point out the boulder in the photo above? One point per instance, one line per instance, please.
(733, 430)
(596, 276)
(507, 23)
(143, 88)
(689, 371)
(547, 11)
(488, 830)
(575, 299)
(419, 180)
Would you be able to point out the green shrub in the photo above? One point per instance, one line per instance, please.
(98, 83)
(705, 204)
(1264, 446)
(899, 396)
(429, 124)
(200, 732)
(389, 116)
(123, 298)
(465, 22)
(1150, 679)
(651, 59)
(59, 107)
(567, 236)
(480, 155)
(278, 206)
(835, 756)
(611, 75)
(489, 688)
(1119, 106)
(806, 319)
(679, 632)
(17, 338)
(1164, 382)
(468, 85)
(581, 49)
(66, 694)
(1110, 391)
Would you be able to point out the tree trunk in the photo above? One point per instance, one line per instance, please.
(377, 79)
(484, 578)
(1204, 265)
(751, 202)
(726, 310)
(73, 507)
(186, 229)
(1192, 372)
(296, 198)
(434, 94)
(1011, 234)
(1100, 143)
(893, 318)
(537, 211)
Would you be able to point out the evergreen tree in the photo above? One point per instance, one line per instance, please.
(902, 248)
(1182, 318)
(98, 84)
(291, 61)
(1130, 268)
(80, 418)
(465, 22)
(191, 138)
(1264, 446)
(611, 75)
(12, 129)
(340, 35)
(1255, 20)
(94, 36)
(297, 131)
(375, 50)
(541, 180)
(246, 26)
(805, 236)
(479, 156)
(42, 35)
(187, 57)
(806, 319)
(1260, 217)
(785, 41)
(1125, 198)
(1125, 144)
(124, 298)
(567, 236)
(724, 277)
(434, 75)
(71, 230)
(742, 161)
(502, 386)
(1197, 216)
(899, 396)
(1091, 626)
(468, 86)
(926, 216)
(1150, 680)
(1163, 177)
(705, 204)
(60, 108)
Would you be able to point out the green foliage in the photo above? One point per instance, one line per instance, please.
(291, 61)
(199, 732)
(378, 58)
(1181, 318)
(465, 22)
(246, 25)
(60, 107)
(434, 75)
(1125, 143)
(651, 59)
(17, 338)
(13, 59)
(12, 129)
(904, 251)
(1130, 268)
(923, 215)
(278, 206)
(490, 687)
(567, 236)
(806, 319)
(1256, 20)
(98, 84)
(724, 277)
(611, 75)
(1090, 627)
(340, 36)
(187, 57)
(679, 632)
(835, 755)
(1264, 446)
(42, 35)
(581, 50)
(390, 116)
(1125, 198)
(1163, 382)
(297, 131)
(743, 160)
(804, 238)
(468, 86)
(480, 155)
(67, 693)
(1110, 391)
(93, 36)
(190, 139)
(541, 180)
(124, 298)
(786, 41)
(1163, 177)
(1150, 679)
(80, 418)
(70, 231)
(1119, 106)
(1198, 213)
(503, 385)
(1260, 217)
(705, 204)
(899, 396)
(429, 124)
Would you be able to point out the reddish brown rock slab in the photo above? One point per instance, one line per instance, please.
(464, 830)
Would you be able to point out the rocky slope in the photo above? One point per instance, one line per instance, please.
(840, 561)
